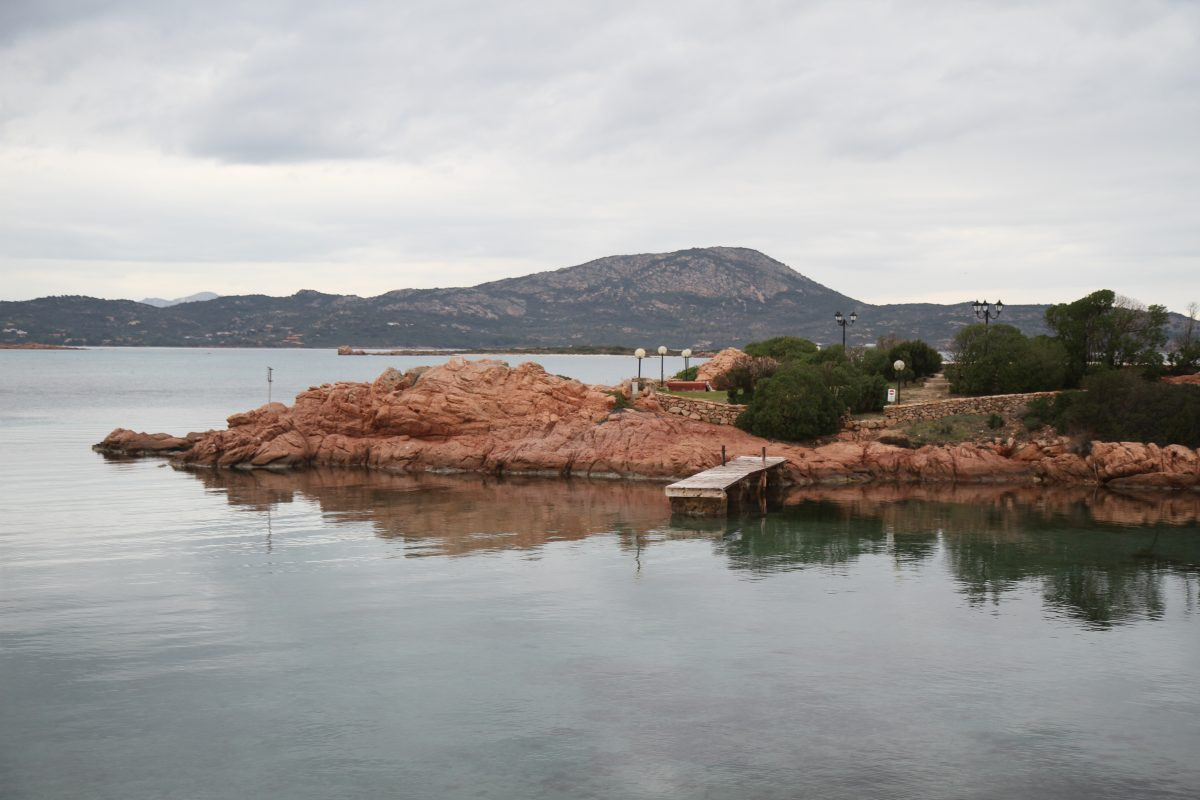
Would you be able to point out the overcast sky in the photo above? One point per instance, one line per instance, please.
(894, 151)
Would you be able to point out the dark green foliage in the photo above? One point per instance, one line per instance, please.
(782, 349)
(920, 360)
(688, 374)
(1120, 406)
(875, 361)
(1051, 411)
(995, 421)
(858, 392)
(793, 404)
(1109, 331)
(999, 359)
(744, 376)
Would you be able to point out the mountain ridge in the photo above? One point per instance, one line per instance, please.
(706, 297)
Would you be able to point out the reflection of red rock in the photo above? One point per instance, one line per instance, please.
(483, 416)
(719, 364)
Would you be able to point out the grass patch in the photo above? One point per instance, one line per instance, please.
(951, 430)
(714, 397)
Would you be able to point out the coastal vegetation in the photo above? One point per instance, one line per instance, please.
(788, 371)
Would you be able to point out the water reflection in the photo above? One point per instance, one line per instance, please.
(457, 514)
(1097, 557)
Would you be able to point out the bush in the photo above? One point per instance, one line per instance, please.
(1003, 360)
(741, 379)
(688, 374)
(793, 404)
(920, 360)
(782, 349)
(1119, 406)
(858, 392)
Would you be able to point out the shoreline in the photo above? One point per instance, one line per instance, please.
(486, 417)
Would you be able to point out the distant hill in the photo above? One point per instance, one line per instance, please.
(700, 298)
(159, 302)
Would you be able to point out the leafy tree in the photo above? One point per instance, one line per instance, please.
(1107, 330)
(744, 376)
(792, 404)
(920, 360)
(1185, 357)
(999, 359)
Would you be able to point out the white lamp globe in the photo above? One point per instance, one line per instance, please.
(898, 366)
(662, 349)
(639, 353)
(687, 353)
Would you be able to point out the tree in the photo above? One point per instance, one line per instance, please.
(1107, 330)
(792, 404)
(1185, 357)
(920, 360)
(999, 359)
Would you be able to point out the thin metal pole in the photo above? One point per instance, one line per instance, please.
(269, 371)
(722, 455)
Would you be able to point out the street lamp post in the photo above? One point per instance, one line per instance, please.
(987, 311)
(842, 322)
(898, 366)
(687, 353)
(639, 354)
(662, 365)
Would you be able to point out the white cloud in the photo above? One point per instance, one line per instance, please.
(908, 151)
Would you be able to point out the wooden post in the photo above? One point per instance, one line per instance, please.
(764, 457)
(722, 455)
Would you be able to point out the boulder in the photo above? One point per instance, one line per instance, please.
(716, 367)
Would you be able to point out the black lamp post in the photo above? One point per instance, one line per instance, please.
(662, 365)
(987, 311)
(639, 354)
(843, 321)
(687, 354)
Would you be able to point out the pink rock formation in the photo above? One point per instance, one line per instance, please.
(484, 416)
(719, 364)
(1184, 379)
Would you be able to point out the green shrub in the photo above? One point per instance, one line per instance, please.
(995, 421)
(1002, 360)
(793, 404)
(1120, 406)
(858, 392)
(920, 360)
(622, 401)
(782, 349)
(688, 374)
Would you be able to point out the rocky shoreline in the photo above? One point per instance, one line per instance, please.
(485, 416)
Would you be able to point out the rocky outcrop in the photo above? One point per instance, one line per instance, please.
(1183, 379)
(484, 416)
(123, 442)
(716, 367)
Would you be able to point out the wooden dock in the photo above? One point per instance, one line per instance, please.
(733, 486)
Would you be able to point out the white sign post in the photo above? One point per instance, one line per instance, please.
(891, 394)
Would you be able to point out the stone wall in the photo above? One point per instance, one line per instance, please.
(704, 410)
(993, 404)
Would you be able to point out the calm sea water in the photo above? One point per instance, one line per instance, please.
(167, 634)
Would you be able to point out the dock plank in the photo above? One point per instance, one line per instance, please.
(715, 481)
